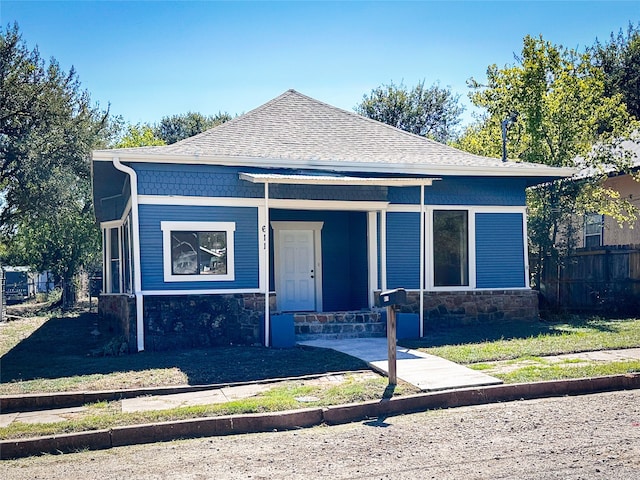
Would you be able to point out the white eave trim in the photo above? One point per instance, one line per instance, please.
(508, 169)
(334, 180)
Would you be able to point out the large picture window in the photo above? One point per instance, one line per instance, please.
(198, 251)
(450, 248)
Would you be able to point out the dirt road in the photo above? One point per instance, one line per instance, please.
(587, 437)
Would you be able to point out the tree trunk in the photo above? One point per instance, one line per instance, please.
(68, 293)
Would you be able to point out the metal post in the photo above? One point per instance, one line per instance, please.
(391, 344)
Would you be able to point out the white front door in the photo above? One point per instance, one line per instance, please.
(298, 265)
(296, 290)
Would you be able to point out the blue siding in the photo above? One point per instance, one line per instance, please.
(246, 244)
(499, 250)
(403, 250)
(193, 180)
(465, 191)
(344, 256)
(220, 181)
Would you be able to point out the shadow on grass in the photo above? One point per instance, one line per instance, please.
(469, 334)
(66, 347)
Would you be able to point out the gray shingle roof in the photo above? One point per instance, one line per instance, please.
(293, 129)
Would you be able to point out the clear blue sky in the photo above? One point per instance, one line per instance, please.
(151, 59)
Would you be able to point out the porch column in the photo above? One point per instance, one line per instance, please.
(422, 260)
(383, 249)
(265, 232)
(372, 251)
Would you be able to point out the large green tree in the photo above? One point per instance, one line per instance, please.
(559, 115)
(139, 135)
(48, 127)
(178, 127)
(432, 112)
(619, 59)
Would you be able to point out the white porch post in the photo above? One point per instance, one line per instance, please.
(135, 240)
(383, 249)
(422, 260)
(267, 320)
(372, 249)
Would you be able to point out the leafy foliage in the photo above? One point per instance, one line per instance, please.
(431, 112)
(47, 130)
(619, 59)
(178, 127)
(563, 119)
(140, 135)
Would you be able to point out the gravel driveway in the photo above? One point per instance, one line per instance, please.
(584, 437)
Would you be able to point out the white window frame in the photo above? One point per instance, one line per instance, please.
(471, 248)
(228, 227)
(600, 234)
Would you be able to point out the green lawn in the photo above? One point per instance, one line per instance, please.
(486, 343)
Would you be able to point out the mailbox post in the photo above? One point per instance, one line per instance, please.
(391, 299)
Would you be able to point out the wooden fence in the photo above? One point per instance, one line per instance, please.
(606, 280)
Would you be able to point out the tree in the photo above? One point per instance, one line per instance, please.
(563, 119)
(431, 112)
(140, 135)
(619, 59)
(178, 127)
(47, 130)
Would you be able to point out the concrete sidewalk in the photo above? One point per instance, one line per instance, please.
(427, 372)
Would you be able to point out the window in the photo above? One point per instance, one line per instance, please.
(114, 258)
(126, 253)
(198, 251)
(450, 248)
(593, 230)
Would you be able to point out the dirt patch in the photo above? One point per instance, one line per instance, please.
(569, 438)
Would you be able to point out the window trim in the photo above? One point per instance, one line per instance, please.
(430, 254)
(600, 234)
(167, 227)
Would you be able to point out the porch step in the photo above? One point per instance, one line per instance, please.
(336, 336)
(337, 325)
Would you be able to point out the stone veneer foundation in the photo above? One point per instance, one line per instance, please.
(182, 321)
(449, 309)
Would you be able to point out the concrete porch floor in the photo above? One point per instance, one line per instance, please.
(427, 372)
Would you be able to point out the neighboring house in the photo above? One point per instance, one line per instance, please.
(603, 272)
(319, 207)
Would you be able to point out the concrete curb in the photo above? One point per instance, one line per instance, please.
(235, 424)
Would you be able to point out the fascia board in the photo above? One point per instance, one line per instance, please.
(339, 166)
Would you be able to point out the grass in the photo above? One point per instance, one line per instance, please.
(63, 353)
(480, 344)
(69, 359)
(542, 371)
(284, 396)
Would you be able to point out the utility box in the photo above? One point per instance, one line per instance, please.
(397, 296)
(283, 333)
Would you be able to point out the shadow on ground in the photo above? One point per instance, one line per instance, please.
(66, 347)
(556, 325)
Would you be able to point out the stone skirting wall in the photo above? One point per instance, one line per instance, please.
(339, 325)
(181, 321)
(447, 309)
(119, 311)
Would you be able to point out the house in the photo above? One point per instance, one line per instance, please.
(602, 273)
(318, 209)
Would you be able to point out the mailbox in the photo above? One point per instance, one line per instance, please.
(397, 296)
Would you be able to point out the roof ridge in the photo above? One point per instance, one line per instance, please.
(239, 117)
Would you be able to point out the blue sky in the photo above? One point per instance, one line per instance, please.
(150, 59)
